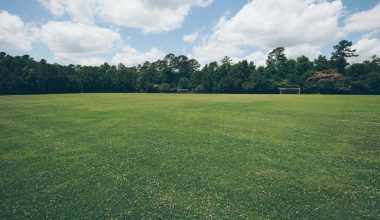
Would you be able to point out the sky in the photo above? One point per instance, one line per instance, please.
(91, 32)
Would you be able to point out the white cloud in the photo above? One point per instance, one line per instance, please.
(79, 43)
(366, 48)
(83, 11)
(190, 38)
(215, 51)
(131, 57)
(14, 34)
(309, 50)
(57, 7)
(364, 21)
(147, 15)
(266, 24)
(89, 61)
(259, 58)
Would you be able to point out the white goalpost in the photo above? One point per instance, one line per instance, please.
(290, 91)
(180, 91)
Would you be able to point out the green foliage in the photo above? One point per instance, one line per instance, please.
(328, 81)
(303, 68)
(169, 156)
(23, 75)
(277, 63)
(183, 83)
(199, 89)
(339, 56)
(164, 88)
(373, 82)
(321, 63)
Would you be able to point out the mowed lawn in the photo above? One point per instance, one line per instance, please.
(189, 156)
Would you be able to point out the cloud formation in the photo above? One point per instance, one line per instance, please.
(303, 27)
(15, 34)
(151, 16)
(366, 48)
(190, 38)
(364, 21)
(131, 57)
(267, 24)
(79, 43)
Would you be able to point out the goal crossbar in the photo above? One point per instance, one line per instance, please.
(295, 90)
(183, 91)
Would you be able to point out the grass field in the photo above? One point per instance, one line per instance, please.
(189, 156)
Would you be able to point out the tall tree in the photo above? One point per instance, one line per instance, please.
(303, 69)
(277, 63)
(339, 56)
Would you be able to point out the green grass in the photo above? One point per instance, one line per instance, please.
(189, 156)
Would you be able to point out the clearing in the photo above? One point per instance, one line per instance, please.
(189, 156)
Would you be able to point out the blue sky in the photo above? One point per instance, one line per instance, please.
(91, 32)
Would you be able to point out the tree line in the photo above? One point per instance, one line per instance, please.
(333, 75)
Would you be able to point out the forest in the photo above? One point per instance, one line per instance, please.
(324, 75)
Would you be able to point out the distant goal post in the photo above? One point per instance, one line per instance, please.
(296, 91)
(183, 91)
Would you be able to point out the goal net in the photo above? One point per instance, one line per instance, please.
(290, 91)
(183, 91)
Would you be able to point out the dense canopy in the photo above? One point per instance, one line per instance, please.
(334, 75)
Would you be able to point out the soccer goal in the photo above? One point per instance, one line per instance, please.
(290, 91)
(183, 91)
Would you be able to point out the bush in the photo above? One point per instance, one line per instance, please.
(199, 89)
(164, 88)
(183, 83)
(373, 82)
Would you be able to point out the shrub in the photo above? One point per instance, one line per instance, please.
(199, 89)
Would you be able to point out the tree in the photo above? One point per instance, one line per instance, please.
(327, 82)
(183, 83)
(303, 69)
(339, 56)
(373, 82)
(23, 75)
(321, 63)
(147, 78)
(277, 63)
(199, 89)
